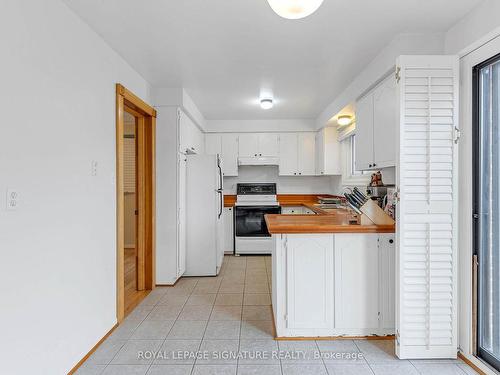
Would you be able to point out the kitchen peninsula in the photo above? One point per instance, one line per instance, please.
(331, 277)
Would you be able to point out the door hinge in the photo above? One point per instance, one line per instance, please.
(458, 134)
(475, 216)
(286, 318)
(136, 212)
(398, 74)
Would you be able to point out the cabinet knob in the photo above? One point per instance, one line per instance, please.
(391, 241)
(369, 165)
(260, 154)
(294, 173)
(374, 164)
(255, 155)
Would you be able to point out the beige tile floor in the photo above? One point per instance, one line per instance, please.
(231, 313)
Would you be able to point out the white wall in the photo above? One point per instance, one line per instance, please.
(285, 184)
(57, 273)
(236, 126)
(477, 27)
(382, 64)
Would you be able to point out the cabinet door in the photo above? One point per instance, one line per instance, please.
(331, 152)
(309, 279)
(356, 281)
(320, 153)
(228, 230)
(288, 154)
(181, 218)
(213, 144)
(268, 144)
(385, 109)
(306, 154)
(229, 152)
(364, 133)
(387, 254)
(249, 145)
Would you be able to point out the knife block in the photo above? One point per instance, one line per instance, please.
(374, 213)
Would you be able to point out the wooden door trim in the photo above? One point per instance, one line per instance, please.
(127, 101)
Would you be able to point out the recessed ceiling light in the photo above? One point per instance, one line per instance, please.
(294, 9)
(266, 103)
(344, 120)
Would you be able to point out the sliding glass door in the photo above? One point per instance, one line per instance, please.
(487, 208)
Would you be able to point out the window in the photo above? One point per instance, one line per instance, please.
(353, 170)
(487, 207)
(351, 176)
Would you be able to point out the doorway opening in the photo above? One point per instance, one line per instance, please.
(486, 211)
(135, 182)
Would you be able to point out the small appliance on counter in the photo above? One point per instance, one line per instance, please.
(253, 202)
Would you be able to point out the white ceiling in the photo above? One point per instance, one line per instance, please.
(223, 52)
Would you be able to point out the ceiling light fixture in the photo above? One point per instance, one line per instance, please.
(295, 9)
(266, 103)
(344, 120)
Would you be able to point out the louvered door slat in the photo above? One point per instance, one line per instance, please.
(426, 301)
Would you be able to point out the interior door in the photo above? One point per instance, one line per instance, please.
(487, 207)
(426, 301)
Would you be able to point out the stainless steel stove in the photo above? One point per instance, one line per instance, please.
(253, 202)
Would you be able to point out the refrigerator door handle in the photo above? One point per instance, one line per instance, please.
(221, 204)
(220, 190)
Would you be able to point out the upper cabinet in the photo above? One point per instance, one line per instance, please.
(297, 154)
(258, 145)
(191, 138)
(376, 121)
(226, 145)
(328, 152)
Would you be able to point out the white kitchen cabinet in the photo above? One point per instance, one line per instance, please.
(248, 145)
(309, 282)
(364, 133)
(226, 145)
(328, 161)
(306, 154)
(297, 154)
(356, 280)
(376, 122)
(258, 145)
(229, 152)
(228, 230)
(385, 121)
(288, 145)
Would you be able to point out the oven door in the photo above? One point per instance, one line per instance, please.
(249, 220)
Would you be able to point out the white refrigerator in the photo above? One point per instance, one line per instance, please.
(204, 207)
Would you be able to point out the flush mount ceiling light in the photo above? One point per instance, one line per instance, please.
(295, 9)
(266, 103)
(344, 120)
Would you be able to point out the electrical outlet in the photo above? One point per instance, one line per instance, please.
(12, 199)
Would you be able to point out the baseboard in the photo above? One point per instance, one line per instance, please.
(301, 338)
(77, 366)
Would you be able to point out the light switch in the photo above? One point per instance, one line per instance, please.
(12, 199)
(93, 166)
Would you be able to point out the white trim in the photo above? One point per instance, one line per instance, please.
(479, 55)
(346, 131)
(347, 178)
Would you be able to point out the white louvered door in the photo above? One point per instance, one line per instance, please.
(426, 265)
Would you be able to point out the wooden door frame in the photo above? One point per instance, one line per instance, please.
(126, 101)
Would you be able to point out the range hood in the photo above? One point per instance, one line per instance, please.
(258, 160)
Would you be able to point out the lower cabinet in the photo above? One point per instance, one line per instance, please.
(228, 219)
(332, 285)
(309, 294)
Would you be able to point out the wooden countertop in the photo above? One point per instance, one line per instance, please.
(331, 222)
(283, 199)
